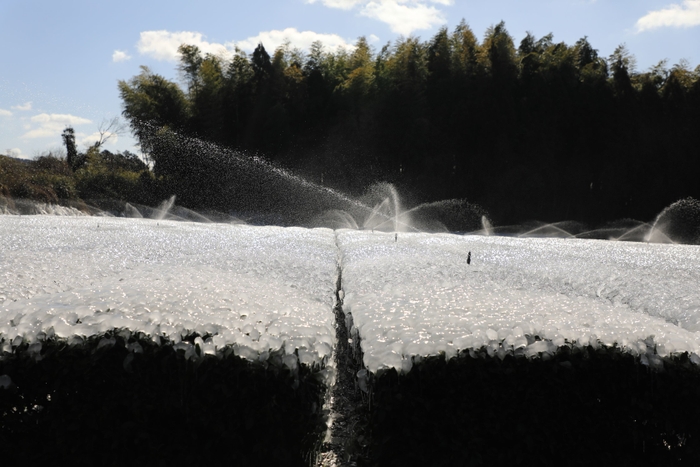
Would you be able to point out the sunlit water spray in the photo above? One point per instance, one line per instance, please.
(295, 200)
(677, 223)
(165, 206)
(299, 195)
(253, 190)
(132, 212)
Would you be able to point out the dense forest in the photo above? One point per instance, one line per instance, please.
(539, 130)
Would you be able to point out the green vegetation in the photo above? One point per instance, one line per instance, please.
(89, 398)
(589, 406)
(537, 130)
(46, 179)
(95, 174)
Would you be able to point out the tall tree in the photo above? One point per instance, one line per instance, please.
(190, 63)
(206, 99)
(407, 72)
(593, 69)
(319, 87)
(68, 136)
(237, 97)
(152, 104)
(622, 64)
(439, 69)
(262, 66)
(468, 59)
(500, 50)
(359, 81)
(679, 82)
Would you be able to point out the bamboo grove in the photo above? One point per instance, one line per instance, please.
(538, 130)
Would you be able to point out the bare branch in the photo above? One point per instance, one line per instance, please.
(109, 128)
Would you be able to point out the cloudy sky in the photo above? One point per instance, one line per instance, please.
(60, 60)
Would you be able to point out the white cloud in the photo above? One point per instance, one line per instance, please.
(341, 4)
(683, 15)
(63, 119)
(405, 17)
(5, 113)
(120, 56)
(24, 107)
(301, 39)
(17, 153)
(163, 45)
(402, 16)
(52, 125)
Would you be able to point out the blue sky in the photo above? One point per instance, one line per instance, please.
(60, 60)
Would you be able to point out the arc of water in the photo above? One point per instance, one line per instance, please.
(486, 224)
(634, 231)
(164, 207)
(131, 211)
(255, 161)
(397, 205)
(546, 226)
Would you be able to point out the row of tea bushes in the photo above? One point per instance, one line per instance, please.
(122, 398)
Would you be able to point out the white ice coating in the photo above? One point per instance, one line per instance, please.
(262, 289)
(35, 208)
(257, 289)
(418, 296)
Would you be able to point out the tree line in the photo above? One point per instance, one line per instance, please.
(538, 130)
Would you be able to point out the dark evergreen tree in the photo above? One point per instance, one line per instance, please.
(262, 67)
(71, 150)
